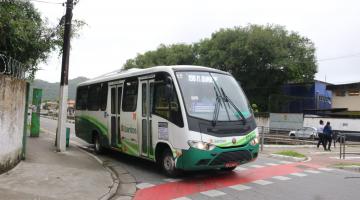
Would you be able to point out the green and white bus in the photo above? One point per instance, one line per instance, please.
(181, 117)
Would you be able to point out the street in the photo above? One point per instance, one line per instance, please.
(266, 178)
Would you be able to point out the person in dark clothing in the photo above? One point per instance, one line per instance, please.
(328, 135)
(320, 131)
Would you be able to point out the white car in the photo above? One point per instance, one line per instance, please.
(305, 132)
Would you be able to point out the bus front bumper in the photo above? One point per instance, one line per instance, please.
(196, 159)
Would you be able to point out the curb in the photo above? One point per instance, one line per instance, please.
(289, 146)
(353, 168)
(289, 158)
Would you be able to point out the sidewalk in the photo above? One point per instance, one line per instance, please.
(46, 174)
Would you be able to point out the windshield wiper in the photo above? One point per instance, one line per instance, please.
(227, 99)
(216, 110)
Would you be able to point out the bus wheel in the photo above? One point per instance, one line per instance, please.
(168, 164)
(227, 169)
(97, 145)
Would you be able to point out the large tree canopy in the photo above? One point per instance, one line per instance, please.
(25, 36)
(261, 58)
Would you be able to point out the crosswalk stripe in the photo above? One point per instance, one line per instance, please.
(213, 193)
(262, 182)
(171, 180)
(271, 164)
(312, 171)
(326, 169)
(285, 162)
(144, 185)
(281, 178)
(240, 187)
(240, 168)
(182, 198)
(298, 174)
(256, 166)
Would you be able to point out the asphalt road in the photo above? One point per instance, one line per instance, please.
(266, 178)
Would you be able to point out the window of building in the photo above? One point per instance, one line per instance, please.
(94, 97)
(103, 96)
(162, 106)
(340, 93)
(354, 92)
(130, 95)
(81, 98)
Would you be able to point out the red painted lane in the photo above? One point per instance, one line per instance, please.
(191, 186)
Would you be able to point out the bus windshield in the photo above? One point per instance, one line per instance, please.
(201, 92)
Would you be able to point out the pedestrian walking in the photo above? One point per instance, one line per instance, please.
(328, 135)
(320, 131)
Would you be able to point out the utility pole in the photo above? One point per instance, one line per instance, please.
(61, 134)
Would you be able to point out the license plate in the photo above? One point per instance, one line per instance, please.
(231, 164)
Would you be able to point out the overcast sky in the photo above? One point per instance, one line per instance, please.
(119, 29)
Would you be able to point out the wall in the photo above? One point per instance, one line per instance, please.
(352, 103)
(286, 121)
(352, 125)
(262, 121)
(12, 107)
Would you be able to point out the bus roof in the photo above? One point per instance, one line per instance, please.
(120, 74)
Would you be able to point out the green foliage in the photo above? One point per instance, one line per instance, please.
(25, 36)
(261, 58)
(291, 153)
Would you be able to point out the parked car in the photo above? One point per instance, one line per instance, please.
(305, 132)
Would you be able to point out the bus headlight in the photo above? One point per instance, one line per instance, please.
(256, 140)
(201, 145)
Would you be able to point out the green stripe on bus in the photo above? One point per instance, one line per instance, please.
(242, 141)
(102, 128)
(131, 148)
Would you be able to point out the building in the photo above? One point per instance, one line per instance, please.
(346, 96)
(301, 97)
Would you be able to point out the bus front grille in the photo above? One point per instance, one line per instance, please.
(232, 156)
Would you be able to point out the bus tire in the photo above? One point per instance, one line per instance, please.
(168, 164)
(98, 148)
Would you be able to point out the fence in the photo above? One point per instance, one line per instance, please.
(281, 137)
(343, 144)
(10, 66)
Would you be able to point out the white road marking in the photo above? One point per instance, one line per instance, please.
(256, 166)
(271, 164)
(281, 178)
(326, 169)
(298, 174)
(213, 193)
(262, 182)
(240, 187)
(171, 180)
(182, 198)
(312, 171)
(240, 168)
(285, 162)
(144, 185)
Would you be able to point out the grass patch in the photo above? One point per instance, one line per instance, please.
(290, 153)
(342, 165)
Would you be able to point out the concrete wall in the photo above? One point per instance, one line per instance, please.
(352, 103)
(351, 125)
(12, 107)
(286, 121)
(262, 121)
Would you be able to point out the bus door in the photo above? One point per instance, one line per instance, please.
(115, 92)
(147, 90)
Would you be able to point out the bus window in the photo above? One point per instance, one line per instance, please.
(143, 99)
(81, 98)
(166, 108)
(94, 97)
(130, 95)
(103, 96)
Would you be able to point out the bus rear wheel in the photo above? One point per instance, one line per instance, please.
(97, 145)
(168, 164)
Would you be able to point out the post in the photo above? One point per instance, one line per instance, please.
(61, 131)
(262, 138)
(23, 151)
(340, 145)
(35, 115)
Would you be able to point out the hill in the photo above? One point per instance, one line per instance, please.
(51, 90)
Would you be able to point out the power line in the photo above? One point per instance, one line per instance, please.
(48, 2)
(339, 57)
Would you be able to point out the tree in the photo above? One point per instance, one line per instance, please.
(176, 54)
(25, 36)
(261, 58)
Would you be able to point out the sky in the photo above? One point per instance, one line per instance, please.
(118, 30)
